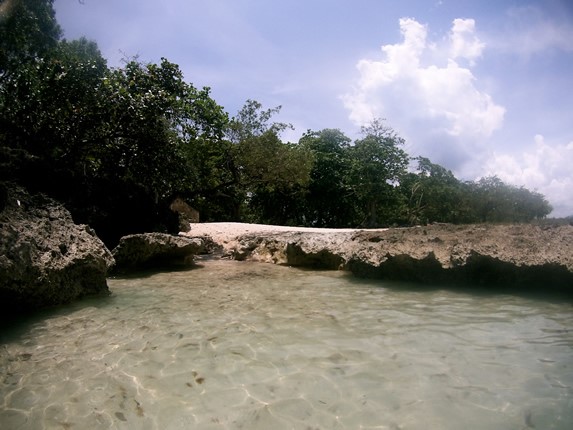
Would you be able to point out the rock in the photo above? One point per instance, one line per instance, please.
(152, 250)
(520, 254)
(186, 214)
(511, 255)
(315, 250)
(45, 258)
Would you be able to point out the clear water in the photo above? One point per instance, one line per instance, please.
(237, 345)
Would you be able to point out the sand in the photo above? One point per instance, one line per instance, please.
(228, 231)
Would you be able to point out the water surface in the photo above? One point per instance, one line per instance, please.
(238, 345)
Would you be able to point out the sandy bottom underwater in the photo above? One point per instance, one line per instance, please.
(238, 345)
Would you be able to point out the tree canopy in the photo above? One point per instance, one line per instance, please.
(28, 30)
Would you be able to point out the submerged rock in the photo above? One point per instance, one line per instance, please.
(45, 258)
(151, 250)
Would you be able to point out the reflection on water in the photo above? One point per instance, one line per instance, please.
(236, 345)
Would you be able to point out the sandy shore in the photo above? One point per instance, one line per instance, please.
(227, 231)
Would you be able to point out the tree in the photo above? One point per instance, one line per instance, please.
(266, 171)
(151, 114)
(327, 200)
(151, 120)
(433, 194)
(212, 178)
(49, 111)
(28, 31)
(252, 121)
(377, 164)
(275, 175)
(86, 129)
(494, 201)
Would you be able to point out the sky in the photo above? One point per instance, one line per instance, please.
(480, 87)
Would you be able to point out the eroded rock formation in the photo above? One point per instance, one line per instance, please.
(45, 258)
(152, 250)
(521, 254)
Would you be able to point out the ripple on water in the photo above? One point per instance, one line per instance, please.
(13, 418)
(239, 345)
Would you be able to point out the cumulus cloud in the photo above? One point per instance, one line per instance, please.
(545, 167)
(438, 97)
(464, 42)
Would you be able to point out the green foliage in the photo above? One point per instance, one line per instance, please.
(270, 174)
(268, 162)
(49, 111)
(152, 119)
(433, 194)
(87, 129)
(28, 30)
(494, 201)
(377, 164)
(151, 116)
(251, 121)
(212, 178)
(328, 201)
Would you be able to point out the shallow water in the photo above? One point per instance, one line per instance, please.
(237, 345)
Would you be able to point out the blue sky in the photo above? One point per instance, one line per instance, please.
(479, 87)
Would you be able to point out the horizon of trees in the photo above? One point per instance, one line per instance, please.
(116, 145)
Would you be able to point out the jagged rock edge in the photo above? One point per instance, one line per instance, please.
(471, 268)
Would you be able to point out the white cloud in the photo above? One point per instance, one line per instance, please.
(545, 168)
(404, 57)
(464, 42)
(442, 96)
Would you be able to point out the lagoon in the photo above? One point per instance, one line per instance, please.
(243, 345)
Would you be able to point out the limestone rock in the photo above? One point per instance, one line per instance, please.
(517, 254)
(45, 258)
(316, 250)
(511, 255)
(151, 250)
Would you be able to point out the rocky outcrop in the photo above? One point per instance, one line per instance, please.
(521, 254)
(45, 258)
(152, 250)
(185, 213)
(315, 250)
